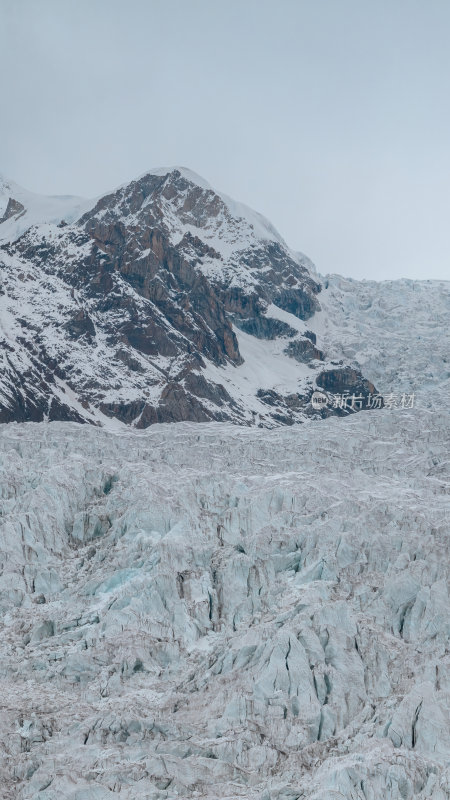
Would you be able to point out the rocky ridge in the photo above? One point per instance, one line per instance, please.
(163, 301)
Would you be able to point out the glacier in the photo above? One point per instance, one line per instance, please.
(214, 611)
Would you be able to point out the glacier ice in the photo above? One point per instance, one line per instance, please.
(212, 611)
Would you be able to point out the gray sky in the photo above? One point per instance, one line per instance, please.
(331, 117)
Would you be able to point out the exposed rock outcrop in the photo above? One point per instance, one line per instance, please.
(139, 310)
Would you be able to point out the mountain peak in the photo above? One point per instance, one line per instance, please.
(164, 300)
(179, 171)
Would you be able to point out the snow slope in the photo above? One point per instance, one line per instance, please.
(36, 209)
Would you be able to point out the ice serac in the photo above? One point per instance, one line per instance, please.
(163, 301)
(213, 611)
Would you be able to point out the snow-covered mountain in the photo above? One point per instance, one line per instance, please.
(216, 610)
(20, 209)
(162, 301)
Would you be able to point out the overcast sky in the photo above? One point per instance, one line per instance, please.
(331, 117)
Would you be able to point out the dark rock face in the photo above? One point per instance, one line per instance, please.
(345, 381)
(129, 312)
(181, 297)
(264, 327)
(28, 396)
(286, 408)
(304, 350)
(273, 275)
(13, 208)
(80, 325)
